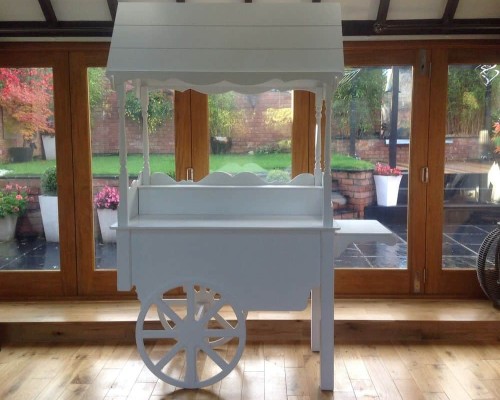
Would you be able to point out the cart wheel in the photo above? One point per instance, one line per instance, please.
(205, 300)
(186, 333)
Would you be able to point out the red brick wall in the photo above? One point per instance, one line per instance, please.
(358, 188)
(462, 148)
(371, 150)
(105, 140)
(254, 132)
(458, 149)
(251, 134)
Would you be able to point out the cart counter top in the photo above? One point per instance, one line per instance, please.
(225, 222)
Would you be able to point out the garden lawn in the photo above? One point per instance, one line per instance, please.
(232, 163)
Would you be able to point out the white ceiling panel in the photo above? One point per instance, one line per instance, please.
(351, 9)
(357, 9)
(78, 10)
(421, 9)
(478, 9)
(20, 10)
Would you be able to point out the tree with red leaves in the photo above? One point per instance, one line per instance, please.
(26, 97)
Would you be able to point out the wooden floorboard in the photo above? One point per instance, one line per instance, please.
(345, 309)
(356, 321)
(286, 371)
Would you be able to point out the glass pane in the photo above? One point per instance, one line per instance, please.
(472, 153)
(370, 160)
(251, 133)
(29, 229)
(104, 124)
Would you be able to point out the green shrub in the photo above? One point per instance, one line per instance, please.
(278, 176)
(48, 182)
(283, 146)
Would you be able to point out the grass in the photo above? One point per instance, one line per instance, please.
(343, 162)
(233, 163)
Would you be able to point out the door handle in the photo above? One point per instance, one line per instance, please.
(424, 174)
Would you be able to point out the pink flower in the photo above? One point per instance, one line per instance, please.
(496, 127)
(384, 169)
(108, 197)
(19, 197)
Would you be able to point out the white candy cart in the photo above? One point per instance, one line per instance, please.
(228, 244)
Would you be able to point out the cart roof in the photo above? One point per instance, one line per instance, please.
(220, 47)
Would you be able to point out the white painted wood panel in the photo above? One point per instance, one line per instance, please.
(225, 179)
(217, 37)
(224, 200)
(260, 270)
(157, 13)
(278, 61)
(210, 222)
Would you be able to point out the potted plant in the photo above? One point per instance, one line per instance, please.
(49, 145)
(106, 202)
(387, 182)
(13, 203)
(49, 204)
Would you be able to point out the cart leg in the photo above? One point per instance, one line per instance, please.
(326, 324)
(315, 318)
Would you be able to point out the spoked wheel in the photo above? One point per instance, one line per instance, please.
(194, 345)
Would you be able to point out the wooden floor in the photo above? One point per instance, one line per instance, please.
(384, 349)
(266, 371)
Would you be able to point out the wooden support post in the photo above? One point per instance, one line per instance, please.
(317, 156)
(327, 174)
(123, 208)
(326, 299)
(146, 170)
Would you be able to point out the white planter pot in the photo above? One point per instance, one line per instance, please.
(387, 188)
(50, 217)
(8, 227)
(107, 218)
(49, 147)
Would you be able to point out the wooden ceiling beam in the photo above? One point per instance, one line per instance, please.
(48, 11)
(484, 26)
(349, 28)
(44, 29)
(113, 6)
(449, 11)
(383, 10)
